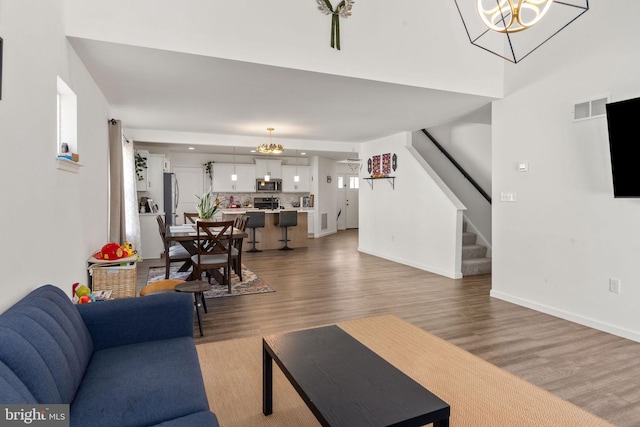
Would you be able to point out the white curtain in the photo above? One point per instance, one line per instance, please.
(132, 220)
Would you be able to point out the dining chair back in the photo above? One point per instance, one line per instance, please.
(190, 217)
(215, 249)
(171, 253)
(239, 223)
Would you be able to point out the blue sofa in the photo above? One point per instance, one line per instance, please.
(129, 362)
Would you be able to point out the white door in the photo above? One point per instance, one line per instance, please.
(352, 201)
(191, 183)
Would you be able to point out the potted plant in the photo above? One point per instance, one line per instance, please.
(208, 205)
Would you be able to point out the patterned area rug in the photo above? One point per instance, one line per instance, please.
(251, 284)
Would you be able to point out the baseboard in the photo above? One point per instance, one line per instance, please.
(430, 269)
(326, 233)
(566, 315)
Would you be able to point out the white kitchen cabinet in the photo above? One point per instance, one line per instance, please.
(222, 182)
(222, 177)
(289, 184)
(142, 169)
(274, 167)
(155, 171)
(246, 178)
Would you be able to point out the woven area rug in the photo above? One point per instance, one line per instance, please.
(479, 393)
(251, 283)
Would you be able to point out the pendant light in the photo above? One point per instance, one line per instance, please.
(234, 175)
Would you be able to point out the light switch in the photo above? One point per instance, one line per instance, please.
(523, 166)
(507, 197)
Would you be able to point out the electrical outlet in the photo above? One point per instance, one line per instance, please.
(614, 286)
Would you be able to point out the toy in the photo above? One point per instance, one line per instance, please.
(110, 251)
(82, 290)
(84, 299)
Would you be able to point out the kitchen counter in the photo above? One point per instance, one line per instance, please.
(269, 237)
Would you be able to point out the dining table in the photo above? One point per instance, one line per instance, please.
(187, 236)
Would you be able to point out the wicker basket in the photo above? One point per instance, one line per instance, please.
(121, 280)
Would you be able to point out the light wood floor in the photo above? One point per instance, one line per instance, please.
(330, 281)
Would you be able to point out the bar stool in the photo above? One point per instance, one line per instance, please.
(287, 219)
(256, 220)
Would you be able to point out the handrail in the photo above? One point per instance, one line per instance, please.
(457, 165)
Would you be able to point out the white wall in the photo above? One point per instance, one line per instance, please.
(325, 195)
(556, 247)
(51, 220)
(470, 145)
(419, 223)
(414, 42)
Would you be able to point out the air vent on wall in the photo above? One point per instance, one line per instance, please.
(590, 109)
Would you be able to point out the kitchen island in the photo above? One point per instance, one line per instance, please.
(271, 235)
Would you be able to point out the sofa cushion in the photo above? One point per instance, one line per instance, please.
(46, 345)
(141, 384)
(12, 390)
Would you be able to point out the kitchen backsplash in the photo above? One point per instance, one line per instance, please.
(244, 199)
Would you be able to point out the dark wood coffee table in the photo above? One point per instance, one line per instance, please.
(346, 384)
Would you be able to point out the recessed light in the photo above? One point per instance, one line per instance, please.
(303, 154)
(253, 151)
(191, 148)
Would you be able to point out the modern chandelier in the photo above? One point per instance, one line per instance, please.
(270, 148)
(498, 26)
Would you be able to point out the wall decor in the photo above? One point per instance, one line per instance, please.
(394, 162)
(376, 165)
(369, 165)
(386, 164)
(343, 9)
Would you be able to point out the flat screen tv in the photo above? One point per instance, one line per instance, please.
(623, 121)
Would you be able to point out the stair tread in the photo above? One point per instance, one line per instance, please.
(476, 260)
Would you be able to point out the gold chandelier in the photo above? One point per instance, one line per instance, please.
(511, 16)
(498, 26)
(270, 148)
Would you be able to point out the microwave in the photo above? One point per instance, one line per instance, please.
(271, 186)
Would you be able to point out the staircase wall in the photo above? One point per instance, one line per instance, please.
(417, 223)
(470, 145)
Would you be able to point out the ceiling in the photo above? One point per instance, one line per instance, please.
(173, 92)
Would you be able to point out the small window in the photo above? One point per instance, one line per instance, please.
(340, 182)
(67, 115)
(590, 108)
(354, 182)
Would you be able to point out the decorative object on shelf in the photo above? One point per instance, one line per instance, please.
(270, 148)
(369, 166)
(394, 162)
(342, 10)
(376, 165)
(208, 168)
(386, 164)
(208, 205)
(141, 164)
(498, 26)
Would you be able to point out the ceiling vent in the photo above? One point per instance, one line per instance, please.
(590, 109)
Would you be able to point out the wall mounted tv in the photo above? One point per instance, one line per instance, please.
(624, 142)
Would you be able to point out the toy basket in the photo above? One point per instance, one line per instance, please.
(121, 280)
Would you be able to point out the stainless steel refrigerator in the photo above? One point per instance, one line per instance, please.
(171, 197)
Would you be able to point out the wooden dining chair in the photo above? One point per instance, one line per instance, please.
(215, 250)
(171, 253)
(240, 223)
(190, 217)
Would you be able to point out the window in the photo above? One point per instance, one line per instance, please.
(67, 115)
(340, 182)
(354, 182)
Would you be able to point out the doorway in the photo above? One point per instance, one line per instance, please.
(348, 201)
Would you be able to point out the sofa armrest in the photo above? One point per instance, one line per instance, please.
(132, 320)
